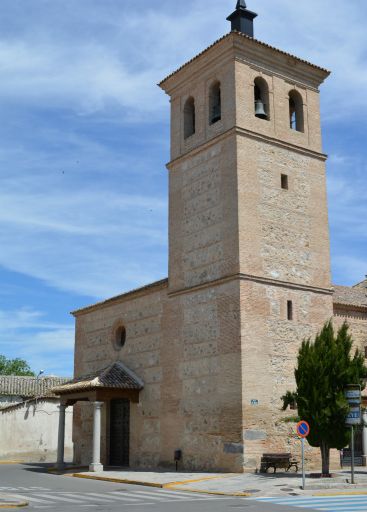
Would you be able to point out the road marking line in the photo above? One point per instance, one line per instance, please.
(183, 494)
(173, 497)
(114, 497)
(29, 498)
(80, 495)
(135, 495)
(60, 498)
(140, 504)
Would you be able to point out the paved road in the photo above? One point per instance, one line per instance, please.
(47, 491)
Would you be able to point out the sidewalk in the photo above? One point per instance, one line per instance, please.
(233, 484)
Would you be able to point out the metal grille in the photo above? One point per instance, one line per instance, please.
(119, 432)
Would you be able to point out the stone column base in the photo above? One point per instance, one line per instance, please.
(95, 468)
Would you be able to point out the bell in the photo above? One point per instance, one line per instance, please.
(260, 110)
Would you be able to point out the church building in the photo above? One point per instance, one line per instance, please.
(193, 367)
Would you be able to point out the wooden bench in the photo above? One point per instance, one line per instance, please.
(277, 461)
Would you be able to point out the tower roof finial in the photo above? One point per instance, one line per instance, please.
(241, 3)
(242, 20)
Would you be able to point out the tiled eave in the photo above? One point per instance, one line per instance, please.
(252, 43)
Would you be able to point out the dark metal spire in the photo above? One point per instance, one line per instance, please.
(242, 19)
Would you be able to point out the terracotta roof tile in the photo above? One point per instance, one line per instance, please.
(28, 386)
(246, 37)
(116, 376)
(351, 295)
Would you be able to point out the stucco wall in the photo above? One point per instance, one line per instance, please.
(29, 432)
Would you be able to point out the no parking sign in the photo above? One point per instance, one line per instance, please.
(303, 428)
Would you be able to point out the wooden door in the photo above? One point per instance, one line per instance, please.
(119, 432)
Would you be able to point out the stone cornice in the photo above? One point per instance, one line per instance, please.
(252, 278)
(254, 135)
(153, 287)
(255, 52)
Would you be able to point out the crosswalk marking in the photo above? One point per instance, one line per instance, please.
(91, 496)
(23, 489)
(342, 503)
(114, 497)
(129, 498)
(184, 496)
(175, 496)
(135, 494)
(29, 498)
(60, 498)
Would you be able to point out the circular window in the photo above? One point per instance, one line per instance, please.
(120, 336)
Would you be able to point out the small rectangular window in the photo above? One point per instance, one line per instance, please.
(290, 310)
(284, 181)
(365, 352)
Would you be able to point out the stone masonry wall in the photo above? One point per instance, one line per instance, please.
(94, 349)
(187, 351)
(283, 233)
(201, 392)
(270, 344)
(203, 216)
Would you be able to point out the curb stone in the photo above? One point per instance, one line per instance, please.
(9, 502)
(174, 486)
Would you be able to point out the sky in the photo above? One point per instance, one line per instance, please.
(84, 139)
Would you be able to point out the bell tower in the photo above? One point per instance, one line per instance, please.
(247, 172)
(248, 209)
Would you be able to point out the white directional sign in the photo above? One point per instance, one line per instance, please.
(353, 395)
(354, 415)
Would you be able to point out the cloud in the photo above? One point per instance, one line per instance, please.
(44, 345)
(84, 136)
(80, 240)
(115, 56)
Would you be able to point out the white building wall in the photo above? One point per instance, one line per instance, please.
(29, 432)
(6, 400)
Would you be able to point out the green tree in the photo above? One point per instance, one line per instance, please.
(15, 366)
(325, 367)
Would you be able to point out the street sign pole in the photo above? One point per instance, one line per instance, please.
(303, 429)
(303, 465)
(353, 396)
(352, 450)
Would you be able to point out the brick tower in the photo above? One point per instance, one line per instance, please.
(249, 268)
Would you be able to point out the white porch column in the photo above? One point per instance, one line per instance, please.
(61, 437)
(364, 437)
(96, 463)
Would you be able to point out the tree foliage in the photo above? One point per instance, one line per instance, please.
(15, 366)
(324, 369)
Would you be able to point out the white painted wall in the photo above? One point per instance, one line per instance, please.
(28, 432)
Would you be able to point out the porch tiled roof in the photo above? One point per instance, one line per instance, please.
(12, 385)
(115, 376)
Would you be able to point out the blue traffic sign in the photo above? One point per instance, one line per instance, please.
(303, 428)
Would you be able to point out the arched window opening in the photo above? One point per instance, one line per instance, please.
(215, 103)
(189, 118)
(296, 111)
(261, 96)
(119, 336)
